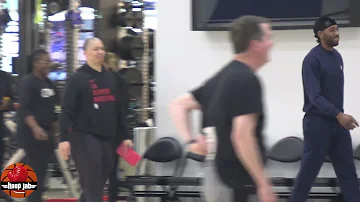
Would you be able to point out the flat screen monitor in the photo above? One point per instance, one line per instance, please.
(216, 15)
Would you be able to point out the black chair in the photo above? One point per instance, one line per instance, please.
(287, 150)
(357, 153)
(179, 180)
(164, 150)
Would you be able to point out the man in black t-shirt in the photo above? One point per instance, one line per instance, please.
(231, 102)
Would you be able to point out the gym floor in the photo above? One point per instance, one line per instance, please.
(63, 195)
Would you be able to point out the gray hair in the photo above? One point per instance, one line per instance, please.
(245, 29)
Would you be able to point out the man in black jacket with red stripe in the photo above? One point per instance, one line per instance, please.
(92, 120)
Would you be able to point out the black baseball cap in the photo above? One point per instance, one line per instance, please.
(323, 23)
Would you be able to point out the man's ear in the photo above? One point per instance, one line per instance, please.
(254, 45)
(319, 33)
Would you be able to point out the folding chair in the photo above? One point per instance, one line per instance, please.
(164, 150)
(287, 150)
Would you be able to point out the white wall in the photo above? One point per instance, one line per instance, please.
(184, 59)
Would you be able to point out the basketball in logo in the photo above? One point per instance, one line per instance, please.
(18, 180)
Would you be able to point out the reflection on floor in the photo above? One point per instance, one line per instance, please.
(66, 197)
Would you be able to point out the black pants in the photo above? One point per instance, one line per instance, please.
(94, 161)
(324, 137)
(241, 195)
(113, 180)
(38, 155)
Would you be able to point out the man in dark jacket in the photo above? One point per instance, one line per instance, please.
(92, 121)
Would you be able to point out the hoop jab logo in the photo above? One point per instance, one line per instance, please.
(18, 180)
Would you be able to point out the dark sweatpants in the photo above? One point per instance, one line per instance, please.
(94, 160)
(38, 155)
(241, 195)
(113, 180)
(322, 137)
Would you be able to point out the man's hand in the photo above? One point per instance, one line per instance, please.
(64, 150)
(199, 147)
(347, 121)
(40, 134)
(128, 143)
(265, 193)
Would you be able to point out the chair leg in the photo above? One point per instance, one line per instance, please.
(164, 199)
(338, 198)
(131, 197)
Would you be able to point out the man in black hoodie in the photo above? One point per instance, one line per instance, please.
(92, 120)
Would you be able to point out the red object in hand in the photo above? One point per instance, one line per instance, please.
(128, 154)
(18, 174)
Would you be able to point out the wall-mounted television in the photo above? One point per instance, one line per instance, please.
(216, 15)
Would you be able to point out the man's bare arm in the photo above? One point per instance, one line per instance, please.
(246, 147)
(180, 111)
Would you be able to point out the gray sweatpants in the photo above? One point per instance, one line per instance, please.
(214, 189)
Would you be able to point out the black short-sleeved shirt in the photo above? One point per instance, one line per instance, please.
(37, 97)
(232, 92)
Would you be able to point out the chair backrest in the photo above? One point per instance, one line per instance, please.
(287, 150)
(357, 153)
(164, 150)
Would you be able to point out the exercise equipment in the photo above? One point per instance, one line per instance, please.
(130, 48)
(4, 20)
(151, 38)
(126, 5)
(73, 27)
(133, 78)
(127, 17)
(138, 19)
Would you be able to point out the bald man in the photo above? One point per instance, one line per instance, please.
(92, 121)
